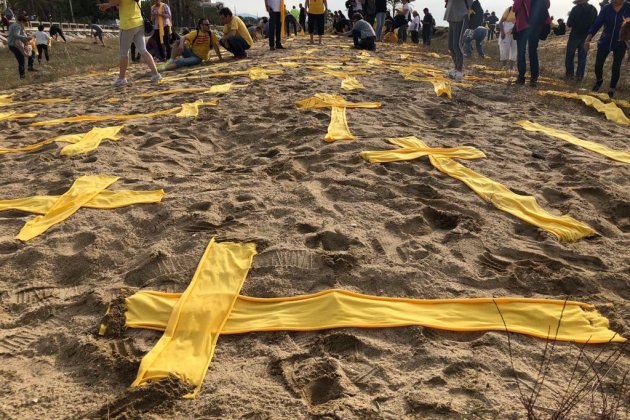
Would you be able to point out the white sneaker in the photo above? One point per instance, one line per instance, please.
(451, 74)
(156, 77)
(458, 76)
(120, 82)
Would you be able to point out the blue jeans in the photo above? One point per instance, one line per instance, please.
(529, 36)
(380, 21)
(575, 43)
(188, 59)
(479, 36)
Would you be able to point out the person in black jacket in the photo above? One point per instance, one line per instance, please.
(476, 18)
(302, 17)
(561, 29)
(581, 18)
(428, 24)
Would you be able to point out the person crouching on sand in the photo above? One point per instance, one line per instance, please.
(236, 38)
(199, 43)
(362, 33)
(131, 31)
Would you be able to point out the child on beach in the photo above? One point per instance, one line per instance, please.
(42, 39)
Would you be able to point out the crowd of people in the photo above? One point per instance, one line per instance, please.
(518, 32)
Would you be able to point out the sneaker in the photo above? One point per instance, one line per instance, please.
(533, 83)
(597, 85)
(272, 48)
(280, 47)
(156, 77)
(611, 92)
(520, 81)
(120, 82)
(456, 75)
(451, 74)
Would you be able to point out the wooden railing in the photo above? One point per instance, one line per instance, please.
(69, 27)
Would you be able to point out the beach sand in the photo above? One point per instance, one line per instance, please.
(256, 169)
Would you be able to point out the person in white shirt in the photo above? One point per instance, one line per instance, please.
(414, 28)
(275, 24)
(41, 40)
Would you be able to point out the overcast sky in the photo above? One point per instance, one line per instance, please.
(559, 8)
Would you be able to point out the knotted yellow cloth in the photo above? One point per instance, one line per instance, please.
(351, 83)
(611, 110)
(192, 109)
(338, 127)
(199, 315)
(86, 191)
(441, 86)
(565, 228)
(563, 135)
(81, 143)
(11, 115)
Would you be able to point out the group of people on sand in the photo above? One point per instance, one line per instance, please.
(526, 22)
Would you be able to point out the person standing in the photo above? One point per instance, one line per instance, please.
(611, 17)
(381, 12)
(131, 31)
(161, 16)
(581, 18)
(370, 11)
(275, 24)
(507, 43)
(316, 10)
(41, 40)
(414, 27)
(427, 27)
(492, 25)
(531, 16)
(296, 13)
(456, 15)
(302, 17)
(236, 38)
(17, 40)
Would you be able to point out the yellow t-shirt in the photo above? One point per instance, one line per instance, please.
(202, 44)
(316, 7)
(508, 15)
(238, 25)
(129, 14)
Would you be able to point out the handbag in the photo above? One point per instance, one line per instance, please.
(148, 24)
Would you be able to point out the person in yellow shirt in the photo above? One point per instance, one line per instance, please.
(316, 10)
(236, 38)
(194, 47)
(131, 31)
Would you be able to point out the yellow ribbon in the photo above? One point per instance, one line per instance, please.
(565, 228)
(7, 100)
(161, 23)
(612, 112)
(86, 191)
(192, 109)
(589, 145)
(351, 83)
(224, 88)
(14, 115)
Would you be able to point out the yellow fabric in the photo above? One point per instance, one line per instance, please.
(160, 20)
(11, 115)
(441, 86)
(81, 143)
(105, 200)
(86, 191)
(565, 228)
(390, 37)
(326, 100)
(196, 320)
(595, 147)
(224, 88)
(7, 100)
(129, 14)
(621, 103)
(414, 152)
(612, 112)
(202, 44)
(351, 83)
(258, 73)
(338, 127)
(316, 7)
(192, 109)
(239, 26)
(344, 309)
(83, 118)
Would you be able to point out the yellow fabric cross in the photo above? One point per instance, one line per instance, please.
(338, 127)
(211, 305)
(611, 110)
(86, 191)
(565, 228)
(80, 143)
(563, 135)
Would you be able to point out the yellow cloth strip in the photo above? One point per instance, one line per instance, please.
(565, 228)
(81, 143)
(338, 127)
(325, 100)
(198, 317)
(344, 309)
(84, 118)
(84, 189)
(41, 204)
(611, 110)
(351, 83)
(621, 103)
(192, 109)
(7, 100)
(563, 135)
(441, 86)
(11, 115)
(410, 153)
(224, 88)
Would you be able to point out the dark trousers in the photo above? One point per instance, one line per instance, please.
(492, 29)
(363, 43)
(402, 33)
(575, 43)
(414, 37)
(303, 23)
(236, 45)
(600, 59)
(528, 37)
(275, 29)
(427, 32)
(288, 26)
(21, 60)
(42, 49)
(57, 31)
(163, 45)
(132, 51)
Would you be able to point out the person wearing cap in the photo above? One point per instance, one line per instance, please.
(611, 17)
(581, 18)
